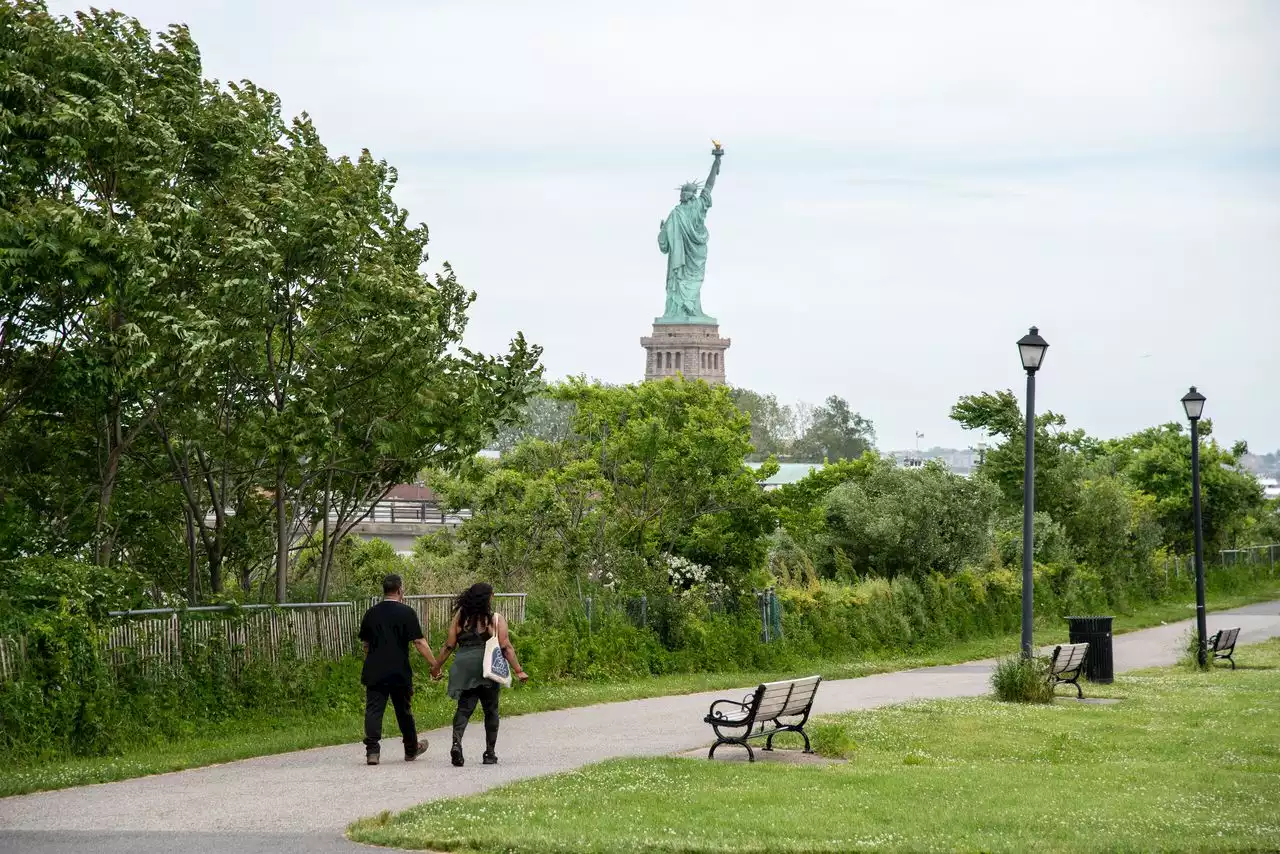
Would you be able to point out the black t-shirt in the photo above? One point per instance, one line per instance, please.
(389, 627)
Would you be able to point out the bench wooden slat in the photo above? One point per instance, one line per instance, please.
(1223, 644)
(1070, 656)
(776, 703)
(1067, 664)
(768, 713)
(1226, 638)
(802, 697)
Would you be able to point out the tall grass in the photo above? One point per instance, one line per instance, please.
(1022, 680)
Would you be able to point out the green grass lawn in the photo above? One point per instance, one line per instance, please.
(1187, 761)
(241, 739)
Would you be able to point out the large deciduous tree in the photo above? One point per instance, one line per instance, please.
(106, 147)
(201, 310)
(773, 425)
(1060, 452)
(649, 470)
(835, 432)
(1158, 462)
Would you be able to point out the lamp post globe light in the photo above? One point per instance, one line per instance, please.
(1193, 404)
(1031, 349)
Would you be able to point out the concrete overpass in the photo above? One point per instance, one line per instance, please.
(401, 522)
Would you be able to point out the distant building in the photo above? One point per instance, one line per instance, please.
(959, 461)
(412, 492)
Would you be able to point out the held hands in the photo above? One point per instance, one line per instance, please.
(435, 672)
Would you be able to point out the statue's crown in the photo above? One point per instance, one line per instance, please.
(691, 186)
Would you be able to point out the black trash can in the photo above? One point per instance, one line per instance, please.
(1095, 631)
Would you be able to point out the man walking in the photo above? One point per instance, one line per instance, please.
(386, 631)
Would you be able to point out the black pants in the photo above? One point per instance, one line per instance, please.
(487, 697)
(375, 705)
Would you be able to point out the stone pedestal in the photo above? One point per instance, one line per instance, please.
(694, 350)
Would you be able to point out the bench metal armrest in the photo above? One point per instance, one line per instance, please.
(720, 718)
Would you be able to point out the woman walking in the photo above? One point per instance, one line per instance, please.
(474, 623)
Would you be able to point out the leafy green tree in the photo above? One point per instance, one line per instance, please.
(543, 417)
(104, 144)
(673, 455)
(649, 470)
(836, 432)
(540, 515)
(1263, 527)
(201, 309)
(773, 425)
(1061, 454)
(800, 505)
(1158, 462)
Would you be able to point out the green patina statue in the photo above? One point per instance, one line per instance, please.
(682, 237)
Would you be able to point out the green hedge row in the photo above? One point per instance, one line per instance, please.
(875, 616)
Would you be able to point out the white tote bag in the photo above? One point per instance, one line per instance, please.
(496, 666)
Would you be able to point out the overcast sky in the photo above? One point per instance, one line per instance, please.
(907, 186)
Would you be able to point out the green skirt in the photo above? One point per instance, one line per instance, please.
(467, 670)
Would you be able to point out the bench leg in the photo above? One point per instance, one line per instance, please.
(1228, 656)
(751, 756)
(1054, 682)
(768, 743)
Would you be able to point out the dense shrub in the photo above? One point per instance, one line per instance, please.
(896, 521)
(1022, 680)
(71, 700)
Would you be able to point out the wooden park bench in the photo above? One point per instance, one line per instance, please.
(1066, 664)
(1223, 645)
(771, 708)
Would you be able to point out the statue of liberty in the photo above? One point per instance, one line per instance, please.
(682, 237)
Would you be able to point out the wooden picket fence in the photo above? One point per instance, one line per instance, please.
(312, 630)
(12, 658)
(155, 638)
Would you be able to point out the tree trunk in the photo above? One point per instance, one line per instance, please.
(326, 543)
(282, 537)
(103, 534)
(196, 517)
(193, 559)
(215, 570)
(213, 543)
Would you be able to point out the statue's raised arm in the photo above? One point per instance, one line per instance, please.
(716, 153)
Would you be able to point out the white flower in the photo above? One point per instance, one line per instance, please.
(683, 573)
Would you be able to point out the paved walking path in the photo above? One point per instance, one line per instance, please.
(300, 802)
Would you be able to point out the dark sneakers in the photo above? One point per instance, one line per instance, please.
(455, 755)
(420, 749)
(490, 758)
(371, 757)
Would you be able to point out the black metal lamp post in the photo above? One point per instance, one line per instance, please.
(1031, 349)
(1193, 403)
